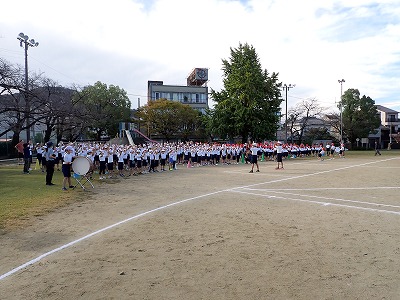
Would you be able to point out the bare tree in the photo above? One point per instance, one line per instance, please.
(333, 121)
(16, 103)
(300, 116)
(48, 103)
(12, 103)
(58, 112)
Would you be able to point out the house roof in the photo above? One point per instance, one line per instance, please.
(312, 121)
(386, 110)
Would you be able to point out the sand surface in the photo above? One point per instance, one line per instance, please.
(315, 230)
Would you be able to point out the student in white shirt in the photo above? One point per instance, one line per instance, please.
(254, 155)
(120, 166)
(102, 163)
(66, 168)
(163, 156)
(279, 154)
(110, 163)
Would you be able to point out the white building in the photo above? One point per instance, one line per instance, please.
(195, 93)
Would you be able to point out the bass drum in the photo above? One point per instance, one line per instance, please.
(81, 165)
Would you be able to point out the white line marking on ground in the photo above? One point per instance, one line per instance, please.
(313, 174)
(328, 198)
(320, 202)
(383, 167)
(40, 257)
(31, 262)
(257, 173)
(338, 188)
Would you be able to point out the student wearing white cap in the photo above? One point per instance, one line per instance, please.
(279, 154)
(102, 163)
(66, 167)
(254, 155)
(163, 157)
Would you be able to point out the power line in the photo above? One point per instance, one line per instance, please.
(130, 94)
(319, 100)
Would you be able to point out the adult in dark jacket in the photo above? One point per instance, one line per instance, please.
(377, 147)
(27, 158)
(50, 161)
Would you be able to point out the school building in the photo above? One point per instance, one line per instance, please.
(194, 93)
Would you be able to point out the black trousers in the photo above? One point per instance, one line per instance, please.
(49, 171)
(26, 165)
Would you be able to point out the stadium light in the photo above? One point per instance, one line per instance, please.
(341, 81)
(25, 43)
(287, 87)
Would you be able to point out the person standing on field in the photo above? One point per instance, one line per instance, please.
(254, 155)
(27, 162)
(66, 168)
(279, 154)
(377, 147)
(50, 161)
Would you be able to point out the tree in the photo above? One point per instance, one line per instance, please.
(11, 100)
(209, 123)
(300, 115)
(17, 104)
(170, 119)
(332, 119)
(249, 104)
(313, 134)
(359, 115)
(57, 109)
(105, 106)
(191, 125)
(49, 104)
(9, 78)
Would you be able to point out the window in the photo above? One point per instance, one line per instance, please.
(186, 97)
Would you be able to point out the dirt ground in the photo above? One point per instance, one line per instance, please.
(315, 230)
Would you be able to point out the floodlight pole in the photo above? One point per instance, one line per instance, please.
(286, 87)
(341, 81)
(25, 43)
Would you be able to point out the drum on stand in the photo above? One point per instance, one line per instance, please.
(81, 167)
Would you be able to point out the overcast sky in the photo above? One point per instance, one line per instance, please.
(309, 43)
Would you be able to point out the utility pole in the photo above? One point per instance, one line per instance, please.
(341, 81)
(138, 99)
(287, 87)
(25, 43)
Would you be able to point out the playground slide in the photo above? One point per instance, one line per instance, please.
(129, 136)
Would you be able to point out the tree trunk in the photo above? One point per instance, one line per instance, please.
(15, 139)
(47, 134)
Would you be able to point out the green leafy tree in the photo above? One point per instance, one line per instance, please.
(105, 106)
(191, 126)
(359, 115)
(209, 124)
(169, 119)
(249, 104)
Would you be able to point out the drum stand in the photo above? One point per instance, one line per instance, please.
(82, 180)
(81, 166)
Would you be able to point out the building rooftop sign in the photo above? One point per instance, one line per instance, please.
(198, 77)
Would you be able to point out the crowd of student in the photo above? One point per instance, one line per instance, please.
(113, 160)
